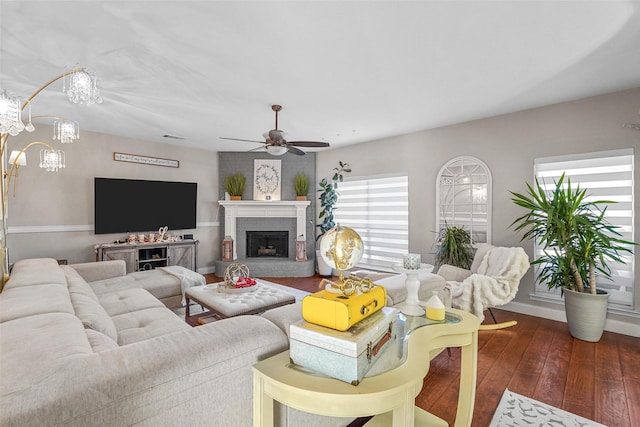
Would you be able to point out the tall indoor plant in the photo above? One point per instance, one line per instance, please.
(577, 241)
(328, 198)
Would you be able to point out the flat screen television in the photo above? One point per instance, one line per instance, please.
(133, 205)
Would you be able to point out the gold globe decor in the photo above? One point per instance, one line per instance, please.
(342, 248)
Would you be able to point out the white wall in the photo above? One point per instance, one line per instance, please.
(64, 200)
(508, 144)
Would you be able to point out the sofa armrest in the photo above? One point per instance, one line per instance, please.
(94, 271)
(452, 273)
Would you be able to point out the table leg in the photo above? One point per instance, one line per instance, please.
(404, 415)
(187, 312)
(468, 373)
(262, 404)
(411, 305)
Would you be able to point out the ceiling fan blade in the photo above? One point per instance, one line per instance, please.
(308, 143)
(243, 140)
(294, 150)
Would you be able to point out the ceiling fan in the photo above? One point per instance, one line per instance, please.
(276, 145)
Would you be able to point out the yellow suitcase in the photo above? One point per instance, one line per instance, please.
(340, 312)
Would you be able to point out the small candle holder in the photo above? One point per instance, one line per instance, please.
(411, 261)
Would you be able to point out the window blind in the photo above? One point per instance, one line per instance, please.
(377, 208)
(605, 175)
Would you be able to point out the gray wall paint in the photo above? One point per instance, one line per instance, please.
(66, 198)
(508, 144)
(233, 162)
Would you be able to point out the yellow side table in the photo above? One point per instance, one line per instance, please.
(390, 395)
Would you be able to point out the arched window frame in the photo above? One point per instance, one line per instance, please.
(474, 171)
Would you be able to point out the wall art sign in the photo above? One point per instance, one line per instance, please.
(145, 160)
(266, 179)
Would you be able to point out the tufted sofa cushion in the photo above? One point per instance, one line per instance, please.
(127, 301)
(146, 324)
(162, 285)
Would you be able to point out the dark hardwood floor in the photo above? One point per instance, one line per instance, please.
(537, 358)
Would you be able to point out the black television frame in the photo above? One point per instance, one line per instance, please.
(136, 205)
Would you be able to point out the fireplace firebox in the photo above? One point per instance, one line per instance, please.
(267, 244)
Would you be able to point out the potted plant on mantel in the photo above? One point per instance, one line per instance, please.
(328, 198)
(454, 247)
(577, 242)
(301, 186)
(234, 185)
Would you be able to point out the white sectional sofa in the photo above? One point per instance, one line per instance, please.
(89, 345)
(109, 353)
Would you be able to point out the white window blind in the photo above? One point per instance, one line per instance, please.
(378, 209)
(605, 175)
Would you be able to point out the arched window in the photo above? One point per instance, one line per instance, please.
(463, 197)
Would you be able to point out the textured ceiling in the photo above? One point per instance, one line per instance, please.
(345, 72)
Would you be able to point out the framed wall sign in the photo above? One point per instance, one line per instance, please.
(266, 179)
(145, 160)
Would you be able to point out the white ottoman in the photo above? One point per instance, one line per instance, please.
(223, 303)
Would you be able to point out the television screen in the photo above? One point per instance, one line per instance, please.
(131, 205)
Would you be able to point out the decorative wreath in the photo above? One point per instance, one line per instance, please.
(267, 179)
(233, 272)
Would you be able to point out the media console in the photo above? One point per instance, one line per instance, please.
(147, 256)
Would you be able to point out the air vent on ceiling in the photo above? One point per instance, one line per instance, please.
(167, 135)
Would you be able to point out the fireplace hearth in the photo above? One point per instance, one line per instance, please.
(267, 244)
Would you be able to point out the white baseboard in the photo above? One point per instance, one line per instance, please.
(625, 328)
(207, 270)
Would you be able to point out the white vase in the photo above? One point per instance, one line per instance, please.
(324, 269)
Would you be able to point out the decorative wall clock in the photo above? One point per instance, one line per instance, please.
(266, 179)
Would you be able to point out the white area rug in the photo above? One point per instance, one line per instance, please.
(515, 410)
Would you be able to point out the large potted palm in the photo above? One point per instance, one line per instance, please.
(577, 244)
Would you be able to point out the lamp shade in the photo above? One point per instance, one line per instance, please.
(21, 158)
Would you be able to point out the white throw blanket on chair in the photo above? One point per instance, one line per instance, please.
(495, 283)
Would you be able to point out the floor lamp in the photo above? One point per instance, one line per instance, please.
(81, 88)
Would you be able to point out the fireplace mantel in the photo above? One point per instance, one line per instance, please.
(263, 209)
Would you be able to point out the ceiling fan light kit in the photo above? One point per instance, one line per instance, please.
(276, 145)
(276, 150)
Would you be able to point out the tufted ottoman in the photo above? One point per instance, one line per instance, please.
(223, 303)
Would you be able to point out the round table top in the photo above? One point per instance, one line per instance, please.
(424, 268)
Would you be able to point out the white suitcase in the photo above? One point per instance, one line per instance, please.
(345, 355)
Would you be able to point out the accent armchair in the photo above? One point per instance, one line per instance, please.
(491, 281)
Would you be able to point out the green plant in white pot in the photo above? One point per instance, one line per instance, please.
(577, 242)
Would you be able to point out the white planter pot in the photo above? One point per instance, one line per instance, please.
(586, 314)
(324, 269)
